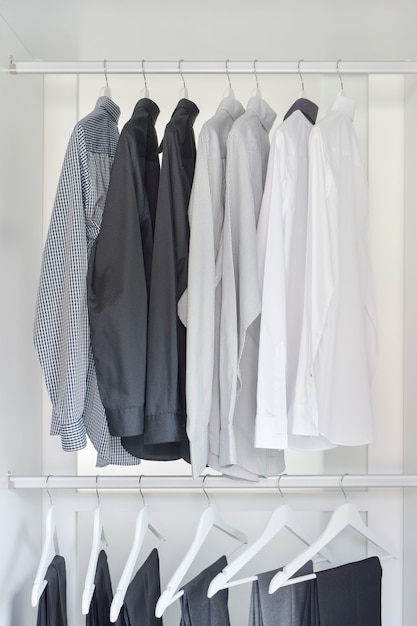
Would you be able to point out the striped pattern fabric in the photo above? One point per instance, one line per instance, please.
(61, 329)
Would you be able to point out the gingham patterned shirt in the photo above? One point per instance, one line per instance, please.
(61, 330)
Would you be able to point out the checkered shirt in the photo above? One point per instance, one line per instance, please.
(61, 329)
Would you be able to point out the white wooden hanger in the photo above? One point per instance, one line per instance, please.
(49, 550)
(209, 519)
(142, 525)
(282, 517)
(105, 91)
(229, 93)
(99, 543)
(346, 515)
(184, 90)
(145, 91)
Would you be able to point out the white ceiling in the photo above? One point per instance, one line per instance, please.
(213, 29)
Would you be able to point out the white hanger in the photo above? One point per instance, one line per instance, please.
(209, 519)
(105, 91)
(346, 515)
(303, 93)
(142, 525)
(99, 542)
(49, 550)
(229, 93)
(145, 91)
(256, 91)
(184, 90)
(282, 517)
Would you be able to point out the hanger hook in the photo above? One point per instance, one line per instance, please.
(299, 73)
(180, 71)
(143, 72)
(341, 484)
(140, 489)
(256, 75)
(205, 492)
(227, 73)
(105, 71)
(97, 494)
(279, 487)
(338, 71)
(47, 488)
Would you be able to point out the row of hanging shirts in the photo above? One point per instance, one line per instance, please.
(226, 291)
(210, 586)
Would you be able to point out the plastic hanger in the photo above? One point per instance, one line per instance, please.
(98, 544)
(105, 91)
(142, 525)
(145, 91)
(346, 515)
(256, 91)
(282, 517)
(49, 550)
(229, 93)
(209, 519)
(303, 93)
(184, 90)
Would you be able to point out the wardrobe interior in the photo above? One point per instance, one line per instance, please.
(38, 115)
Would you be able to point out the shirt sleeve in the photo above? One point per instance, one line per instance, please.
(61, 333)
(271, 416)
(117, 295)
(321, 268)
(200, 311)
(240, 288)
(165, 385)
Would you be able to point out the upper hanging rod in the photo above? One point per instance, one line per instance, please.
(212, 67)
(209, 482)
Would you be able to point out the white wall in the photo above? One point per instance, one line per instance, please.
(21, 138)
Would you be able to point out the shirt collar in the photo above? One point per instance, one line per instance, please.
(111, 107)
(307, 108)
(191, 109)
(232, 106)
(262, 109)
(150, 106)
(344, 104)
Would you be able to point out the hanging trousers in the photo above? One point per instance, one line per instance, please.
(350, 595)
(199, 610)
(99, 612)
(52, 607)
(142, 595)
(294, 605)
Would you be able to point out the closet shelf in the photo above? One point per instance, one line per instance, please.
(212, 67)
(213, 483)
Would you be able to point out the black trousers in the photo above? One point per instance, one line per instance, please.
(199, 610)
(52, 607)
(350, 595)
(99, 613)
(142, 595)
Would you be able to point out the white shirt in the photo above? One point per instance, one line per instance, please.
(247, 157)
(332, 404)
(281, 241)
(199, 307)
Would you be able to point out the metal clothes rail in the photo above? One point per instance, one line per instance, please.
(212, 67)
(214, 483)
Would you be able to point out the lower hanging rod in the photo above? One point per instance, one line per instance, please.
(212, 67)
(213, 483)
